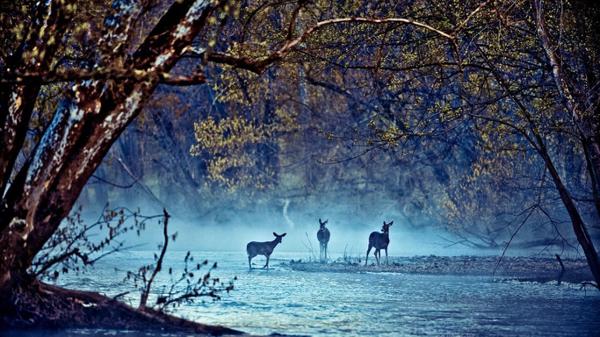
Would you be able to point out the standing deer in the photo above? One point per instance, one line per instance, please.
(379, 241)
(323, 237)
(262, 248)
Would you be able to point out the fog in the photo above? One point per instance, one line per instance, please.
(346, 237)
(226, 221)
(230, 229)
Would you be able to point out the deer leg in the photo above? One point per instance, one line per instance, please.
(367, 257)
(386, 256)
(325, 245)
(377, 255)
(320, 252)
(249, 262)
(266, 264)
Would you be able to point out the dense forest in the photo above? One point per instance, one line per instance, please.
(393, 120)
(309, 132)
(479, 118)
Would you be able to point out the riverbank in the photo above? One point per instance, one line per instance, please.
(36, 307)
(539, 269)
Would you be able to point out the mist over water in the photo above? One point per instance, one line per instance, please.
(352, 241)
(229, 228)
(324, 303)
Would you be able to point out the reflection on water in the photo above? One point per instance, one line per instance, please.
(375, 304)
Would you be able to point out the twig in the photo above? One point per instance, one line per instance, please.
(148, 285)
(531, 209)
(117, 296)
(113, 184)
(562, 269)
(137, 180)
(309, 247)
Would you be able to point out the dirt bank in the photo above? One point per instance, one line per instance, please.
(44, 306)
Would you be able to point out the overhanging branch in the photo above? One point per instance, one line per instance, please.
(68, 75)
(258, 65)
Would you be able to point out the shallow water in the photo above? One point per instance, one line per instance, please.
(374, 304)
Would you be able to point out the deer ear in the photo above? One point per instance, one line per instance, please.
(284, 234)
(275, 234)
(326, 221)
(391, 222)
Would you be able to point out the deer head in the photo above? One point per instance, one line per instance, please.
(386, 226)
(322, 223)
(278, 237)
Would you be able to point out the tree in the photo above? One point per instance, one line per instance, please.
(504, 81)
(109, 72)
(85, 123)
(543, 125)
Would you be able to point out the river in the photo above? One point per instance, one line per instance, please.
(364, 304)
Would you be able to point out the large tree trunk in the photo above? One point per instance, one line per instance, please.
(587, 128)
(587, 15)
(574, 98)
(591, 150)
(83, 128)
(579, 227)
(17, 100)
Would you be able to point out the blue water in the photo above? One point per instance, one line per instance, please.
(361, 304)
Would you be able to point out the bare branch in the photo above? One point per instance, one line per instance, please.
(463, 23)
(159, 262)
(562, 84)
(258, 65)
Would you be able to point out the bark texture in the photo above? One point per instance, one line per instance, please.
(83, 128)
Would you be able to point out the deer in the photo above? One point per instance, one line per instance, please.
(323, 237)
(262, 248)
(379, 241)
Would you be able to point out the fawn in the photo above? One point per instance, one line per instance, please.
(262, 248)
(323, 237)
(379, 241)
